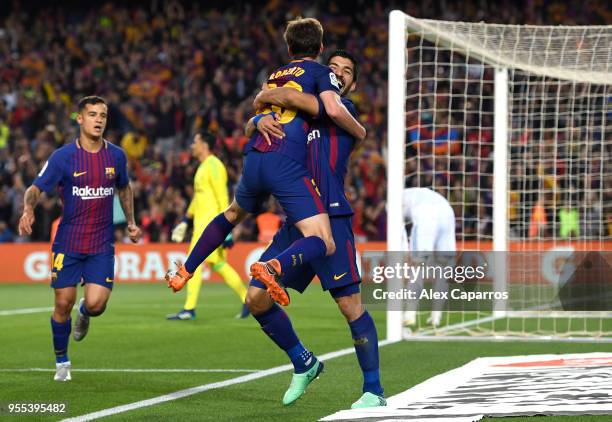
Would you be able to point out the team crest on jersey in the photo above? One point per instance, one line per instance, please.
(110, 172)
(334, 80)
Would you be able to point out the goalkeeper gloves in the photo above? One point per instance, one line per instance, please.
(179, 232)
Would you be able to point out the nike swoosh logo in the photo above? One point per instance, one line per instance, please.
(75, 174)
(109, 280)
(338, 277)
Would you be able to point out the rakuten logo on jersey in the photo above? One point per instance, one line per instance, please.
(92, 193)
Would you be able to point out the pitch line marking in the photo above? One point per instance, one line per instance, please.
(134, 370)
(206, 387)
(25, 311)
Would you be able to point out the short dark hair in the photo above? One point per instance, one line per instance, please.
(208, 138)
(346, 55)
(304, 37)
(91, 99)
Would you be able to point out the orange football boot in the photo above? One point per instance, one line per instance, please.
(269, 273)
(177, 279)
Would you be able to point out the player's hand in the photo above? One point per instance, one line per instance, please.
(177, 279)
(258, 102)
(270, 126)
(178, 233)
(134, 232)
(25, 222)
(228, 243)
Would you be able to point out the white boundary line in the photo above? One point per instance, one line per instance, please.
(133, 370)
(25, 311)
(201, 388)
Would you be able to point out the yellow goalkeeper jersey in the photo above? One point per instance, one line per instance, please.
(210, 192)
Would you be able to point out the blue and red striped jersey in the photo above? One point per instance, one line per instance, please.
(86, 182)
(329, 150)
(306, 76)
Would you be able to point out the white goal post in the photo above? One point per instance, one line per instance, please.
(512, 124)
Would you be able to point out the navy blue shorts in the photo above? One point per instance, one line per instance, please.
(338, 273)
(286, 179)
(69, 269)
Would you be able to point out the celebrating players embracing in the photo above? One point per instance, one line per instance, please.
(329, 149)
(277, 166)
(87, 171)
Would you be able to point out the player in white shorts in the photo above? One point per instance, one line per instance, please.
(433, 230)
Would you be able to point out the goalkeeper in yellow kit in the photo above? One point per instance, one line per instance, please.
(210, 198)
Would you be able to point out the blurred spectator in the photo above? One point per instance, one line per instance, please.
(171, 68)
(268, 222)
(6, 235)
(134, 142)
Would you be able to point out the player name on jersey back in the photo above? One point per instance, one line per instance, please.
(306, 76)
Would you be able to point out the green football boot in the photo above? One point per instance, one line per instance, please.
(369, 400)
(299, 382)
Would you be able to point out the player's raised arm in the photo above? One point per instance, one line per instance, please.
(340, 115)
(288, 98)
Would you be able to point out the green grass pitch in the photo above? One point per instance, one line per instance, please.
(133, 333)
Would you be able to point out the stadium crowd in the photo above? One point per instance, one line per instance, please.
(170, 69)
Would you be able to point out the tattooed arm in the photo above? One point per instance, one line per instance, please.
(30, 199)
(126, 197)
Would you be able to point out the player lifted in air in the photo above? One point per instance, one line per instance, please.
(88, 172)
(210, 198)
(329, 148)
(432, 239)
(277, 166)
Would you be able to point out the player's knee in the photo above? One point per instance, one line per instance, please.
(95, 308)
(258, 301)
(62, 310)
(350, 307)
(234, 213)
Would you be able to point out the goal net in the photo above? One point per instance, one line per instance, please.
(512, 125)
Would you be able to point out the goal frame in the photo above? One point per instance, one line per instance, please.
(396, 148)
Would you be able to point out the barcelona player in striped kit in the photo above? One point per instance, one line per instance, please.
(329, 149)
(87, 172)
(277, 166)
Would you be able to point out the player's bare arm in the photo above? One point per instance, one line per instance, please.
(268, 126)
(30, 199)
(282, 97)
(126, 198)
(288, 98)
(341, 116)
